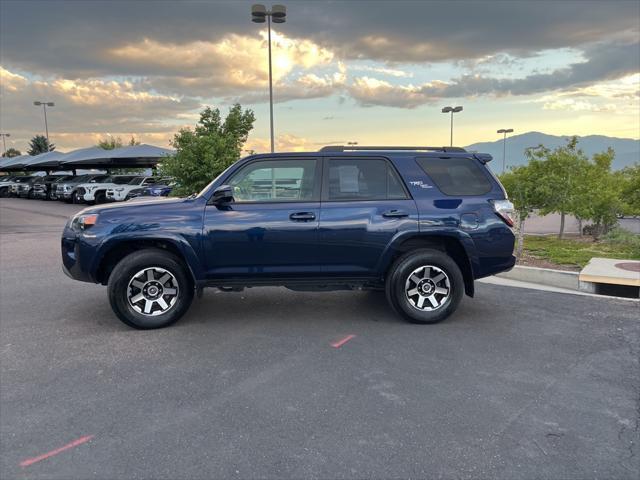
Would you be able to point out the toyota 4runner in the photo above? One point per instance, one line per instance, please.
(419, 223)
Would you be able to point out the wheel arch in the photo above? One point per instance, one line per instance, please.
(117, 249)
(460, 249)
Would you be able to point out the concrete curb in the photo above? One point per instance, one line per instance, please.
(544, 276)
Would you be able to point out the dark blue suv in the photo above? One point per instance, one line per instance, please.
(419, 223)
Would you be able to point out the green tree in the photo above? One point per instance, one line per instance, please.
(40, 144)
(11, 152)
(560, 173)
(521, 184)
(604, 200)
(110, 142)
(204, 152)
(629, 181)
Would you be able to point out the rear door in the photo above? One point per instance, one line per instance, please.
(364, 206)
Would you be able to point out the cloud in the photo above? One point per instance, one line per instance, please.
(85, 108)
(283, 143)
(392, 72)
(605, 62)
(74, 37)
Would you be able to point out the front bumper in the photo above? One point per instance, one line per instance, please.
(77, 255)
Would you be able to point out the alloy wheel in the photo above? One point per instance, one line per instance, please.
(427, 288)
(152, 291)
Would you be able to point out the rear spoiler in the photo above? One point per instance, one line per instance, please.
(484, 158)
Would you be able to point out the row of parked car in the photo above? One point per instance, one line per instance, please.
(90, 188)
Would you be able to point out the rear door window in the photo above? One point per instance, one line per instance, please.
(362, 179)
(456, 176)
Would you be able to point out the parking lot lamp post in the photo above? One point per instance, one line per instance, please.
(259, 14)
(44, 109)
(504, 146)
(4, 141)
(451, 110)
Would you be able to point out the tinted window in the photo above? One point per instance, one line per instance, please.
(121, 179)
(363, 179)
(456, 176)
(275, 180)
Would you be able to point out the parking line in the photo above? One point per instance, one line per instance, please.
(340, 343)
(75, 443)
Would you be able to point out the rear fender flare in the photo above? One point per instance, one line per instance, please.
(463, 238)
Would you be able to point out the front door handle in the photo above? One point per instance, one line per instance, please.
(395, 213)
(302, 216)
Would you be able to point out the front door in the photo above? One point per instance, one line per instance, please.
(271, 227)
(364, 205)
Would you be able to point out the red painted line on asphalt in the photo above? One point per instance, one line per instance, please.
(340, 343)
(75, 443)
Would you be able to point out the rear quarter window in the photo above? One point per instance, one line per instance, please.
(456, 176)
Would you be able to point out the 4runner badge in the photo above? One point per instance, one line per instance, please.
(420, 183)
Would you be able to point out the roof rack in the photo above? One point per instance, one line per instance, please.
(347, 148)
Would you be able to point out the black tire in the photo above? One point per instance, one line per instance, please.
(124, 273)
(4, 192)
(398, 277)
(77, 197)
(100, 197)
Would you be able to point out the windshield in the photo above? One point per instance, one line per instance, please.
(136, 180)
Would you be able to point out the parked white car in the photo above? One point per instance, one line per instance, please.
(96, 191)
(119, 193)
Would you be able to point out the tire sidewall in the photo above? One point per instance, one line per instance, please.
(401, 271)
(124, 272)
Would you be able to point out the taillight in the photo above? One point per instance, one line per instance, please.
(504, 209)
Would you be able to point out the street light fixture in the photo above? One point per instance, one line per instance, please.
(4, 142)
(278, 14)
(504, 146)
(452, 110)
(44, 109)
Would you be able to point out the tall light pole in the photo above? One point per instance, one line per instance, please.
(44, 109)
(4, 142)
(452, 110)
(259, 14)
(504, 146)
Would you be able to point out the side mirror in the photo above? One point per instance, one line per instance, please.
(223, 194)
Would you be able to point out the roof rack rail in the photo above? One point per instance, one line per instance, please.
(347, 148)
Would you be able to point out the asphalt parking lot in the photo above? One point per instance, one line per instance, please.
(518, 384)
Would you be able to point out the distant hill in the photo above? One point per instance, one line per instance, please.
(627, 150)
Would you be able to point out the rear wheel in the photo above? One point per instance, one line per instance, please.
(425, 286)
(150, 289)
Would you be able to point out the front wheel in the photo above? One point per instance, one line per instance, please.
(78, 197)
(425, 286)
(150, 289)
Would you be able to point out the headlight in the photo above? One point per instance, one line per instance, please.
(83, 221)
(119, 189)
(67, 187)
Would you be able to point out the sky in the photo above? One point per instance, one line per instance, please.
(373, 72)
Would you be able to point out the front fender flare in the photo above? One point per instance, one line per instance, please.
(187, 251)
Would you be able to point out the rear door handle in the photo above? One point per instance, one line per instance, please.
(302, 216)
(395, 214)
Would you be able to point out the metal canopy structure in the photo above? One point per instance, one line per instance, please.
(15, 163)
(45, 161)
(134, 156)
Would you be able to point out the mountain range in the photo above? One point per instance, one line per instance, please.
(627, 150)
